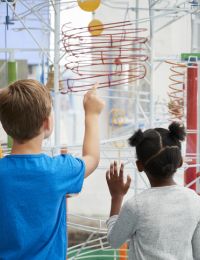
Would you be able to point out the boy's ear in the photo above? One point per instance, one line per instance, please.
(47, 124)
(140, 166)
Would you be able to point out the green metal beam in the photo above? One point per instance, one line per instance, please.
(12, 76)
(186, 56)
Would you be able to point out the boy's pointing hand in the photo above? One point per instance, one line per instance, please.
(92, 103)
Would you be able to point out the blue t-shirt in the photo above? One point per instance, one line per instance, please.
(33, 205)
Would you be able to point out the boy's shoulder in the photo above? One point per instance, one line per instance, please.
(43, 156)
(21, 160)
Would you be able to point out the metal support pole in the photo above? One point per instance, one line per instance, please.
(56, 74)
(137, 97)
(191, 142)
(12, 71)
(195, 48)
(198, 132)
(12, 76)
(151, 109)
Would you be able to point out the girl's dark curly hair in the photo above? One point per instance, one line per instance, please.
(159, 149)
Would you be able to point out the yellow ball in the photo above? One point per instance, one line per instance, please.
(89, 5)
(95, 27)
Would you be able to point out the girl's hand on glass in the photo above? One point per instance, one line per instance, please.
(115, 180)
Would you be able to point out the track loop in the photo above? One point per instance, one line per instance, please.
(176, 90)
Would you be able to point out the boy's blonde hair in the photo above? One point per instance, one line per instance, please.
(24, 105)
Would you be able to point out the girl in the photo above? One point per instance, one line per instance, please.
(163, 222)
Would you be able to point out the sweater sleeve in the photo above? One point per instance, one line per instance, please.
(196, 243)
(121, 227)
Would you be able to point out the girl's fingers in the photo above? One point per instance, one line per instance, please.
(111, 170)
(121, 172)
(108, 176)
(115, 169)
(128, 182)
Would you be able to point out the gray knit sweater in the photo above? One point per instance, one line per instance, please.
(160, 223)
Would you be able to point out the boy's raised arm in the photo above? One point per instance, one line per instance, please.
(93, 106)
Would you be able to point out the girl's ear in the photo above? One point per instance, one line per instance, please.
(140, 166)
(181, 163)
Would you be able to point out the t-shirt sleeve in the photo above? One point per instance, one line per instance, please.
(121, 227)
(70, 173)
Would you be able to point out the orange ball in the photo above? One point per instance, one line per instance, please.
(89, 5)
(95, 27)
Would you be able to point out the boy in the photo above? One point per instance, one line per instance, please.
(33, 185)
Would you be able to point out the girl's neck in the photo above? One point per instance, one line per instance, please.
(162, 183)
